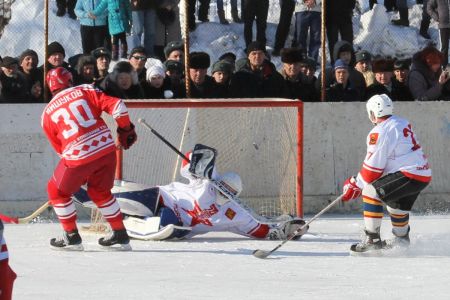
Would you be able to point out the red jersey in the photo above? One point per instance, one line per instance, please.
(73, 124)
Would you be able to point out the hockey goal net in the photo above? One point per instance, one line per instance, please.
(260, 139)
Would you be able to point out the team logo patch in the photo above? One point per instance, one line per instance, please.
(373, 138)
(230, 214)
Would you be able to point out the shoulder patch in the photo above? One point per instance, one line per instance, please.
(373, 138)
(230, 213)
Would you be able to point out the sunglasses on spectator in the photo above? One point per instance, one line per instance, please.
(139, 57)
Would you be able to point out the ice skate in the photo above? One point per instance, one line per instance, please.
(118, 240)
(371, 242)
(398, 241)
(70, 241)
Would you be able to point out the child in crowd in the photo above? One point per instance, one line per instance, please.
(119, 23)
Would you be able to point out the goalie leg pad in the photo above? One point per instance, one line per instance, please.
(168, 217)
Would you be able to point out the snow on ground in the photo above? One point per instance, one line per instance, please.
(220, 266)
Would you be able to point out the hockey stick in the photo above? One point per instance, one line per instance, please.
(25, 220)
(263, 254)
(216, 183)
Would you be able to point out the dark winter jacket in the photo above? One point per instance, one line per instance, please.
(422, 82)
(265, 83)
(299, 88)
(112, 89)
(338, 93)
(439, 11)
(151, 92)
(399, 91)
(206, 90)
(15, 89)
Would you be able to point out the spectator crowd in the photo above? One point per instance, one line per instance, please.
(154, 66)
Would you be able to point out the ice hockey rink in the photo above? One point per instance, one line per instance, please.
(221, 265)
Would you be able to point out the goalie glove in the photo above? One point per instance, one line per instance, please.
(350, 189)
(202, 161)
(125, 137)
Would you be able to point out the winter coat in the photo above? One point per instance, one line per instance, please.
(206, 90)
(439, 11)
(83, 7)
(338, 93)
(265, 83)
(422, 82)
(300, 88)
(15, 89)
(151, 92)
(165, 31)
(119, 15)
(112, 89)
(399, 91)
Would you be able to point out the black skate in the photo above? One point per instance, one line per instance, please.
(118, 240)
(371, 242)
(398, 241)
(70, 241)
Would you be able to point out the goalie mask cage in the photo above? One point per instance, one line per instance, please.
(260, 139)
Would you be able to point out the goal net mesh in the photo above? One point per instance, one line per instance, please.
(259, 143)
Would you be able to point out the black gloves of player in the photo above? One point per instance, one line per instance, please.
(126, 137)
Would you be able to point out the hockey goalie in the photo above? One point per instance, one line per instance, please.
(208, 202)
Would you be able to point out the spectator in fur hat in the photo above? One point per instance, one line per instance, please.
(426, 79)
(221, 72)
(174, 51)
(296, 82)
(85, 70)
(123, 82)
(202, 85)
(384, 73)
(28, 62)
(15, 87)
(401, 70)
(364, 65)
(257, 78)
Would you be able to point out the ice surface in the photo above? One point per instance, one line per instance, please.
(220, 266)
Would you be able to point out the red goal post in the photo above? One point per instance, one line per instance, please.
(260, 139)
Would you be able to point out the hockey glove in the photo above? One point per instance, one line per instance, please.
(126, 137)
(350, 190)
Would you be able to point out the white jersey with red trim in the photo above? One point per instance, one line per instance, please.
(73, 124)
(198, 205)
(393, 146)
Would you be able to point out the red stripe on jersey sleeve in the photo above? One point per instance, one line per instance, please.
(370, 175)
(185, 162)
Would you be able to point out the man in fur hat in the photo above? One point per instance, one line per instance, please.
(384, 72)
(257, 78)
(202, 85)
(297, 83)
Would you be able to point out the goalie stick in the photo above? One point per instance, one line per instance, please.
(25, 220)
(218, 185)
(263, 254)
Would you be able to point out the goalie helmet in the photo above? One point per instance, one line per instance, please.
(232, 181)
(380, 106)
(59, 79)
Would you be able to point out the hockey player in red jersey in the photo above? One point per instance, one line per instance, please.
(394, 172)
(73, 124)
(7, 275)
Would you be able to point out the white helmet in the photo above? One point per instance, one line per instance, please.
(380, 105)
(232, 181)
